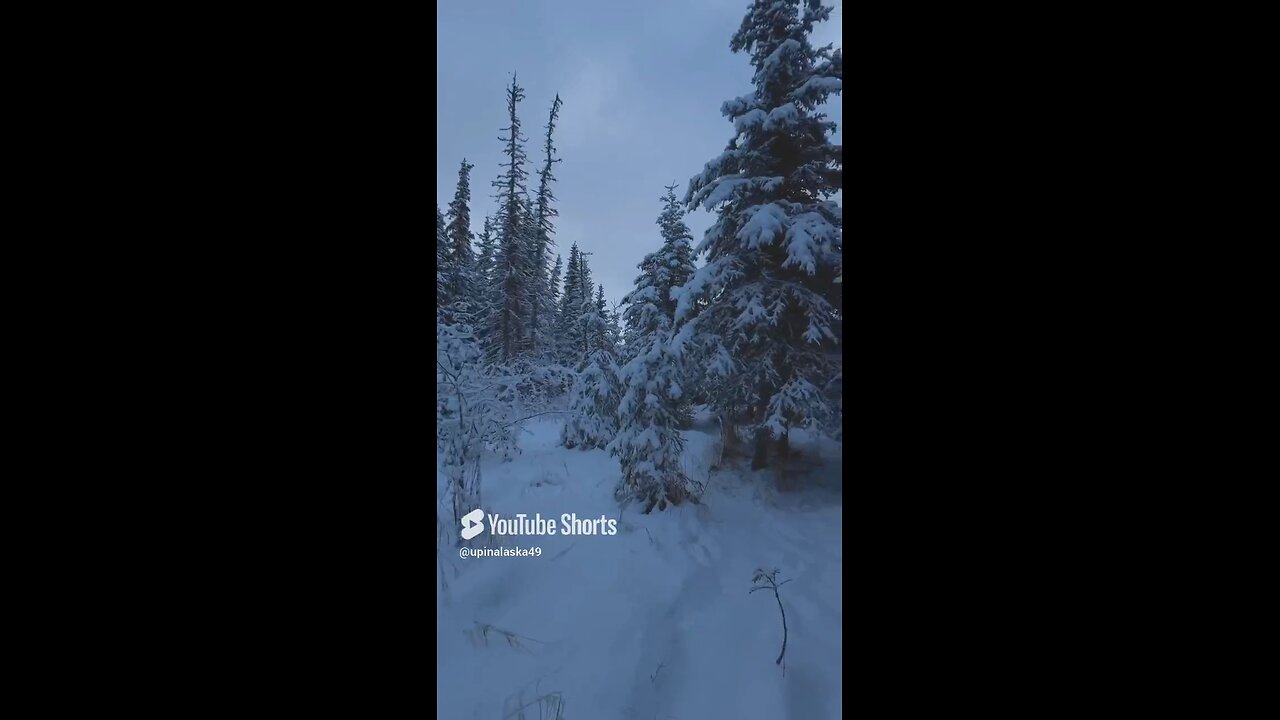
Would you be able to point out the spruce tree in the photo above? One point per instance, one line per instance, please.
(512, 271)
(593, 403)
(593, 418)
(484, 261)
(770, 317)
(586, 306)
(662, 271)
(485, 293)
(542, 305)
(599, 323)
(442, 263)
(533, 293)
(669, 267)
(569, 329)
(553, 291)
(461, 267)
(615, 331)
(648, 442)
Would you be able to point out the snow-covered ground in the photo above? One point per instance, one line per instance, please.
(655, 622)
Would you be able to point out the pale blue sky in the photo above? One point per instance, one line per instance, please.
(642, 84)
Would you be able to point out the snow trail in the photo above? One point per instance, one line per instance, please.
(656, 621)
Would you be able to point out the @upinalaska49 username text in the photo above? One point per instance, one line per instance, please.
(466, 552)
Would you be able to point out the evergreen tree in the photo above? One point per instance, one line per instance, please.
(534, 293)
(569, 329)
(598, 323)
(442, 263)
(593, 419)
(512, 267)
(484, 262)
(662, 271)
(669, 267)
(615, 331)
(461, 266)
(676, 257)
(485, 292)
(554, 293)
(585, 310)
(542, 305)
(771, 315)
(648, 443)
(593, 403)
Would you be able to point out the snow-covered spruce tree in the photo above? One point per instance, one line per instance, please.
(771, 315)
(484, 261)
(563, 375)
(460, 273)
(484, 295)
(541, 306)
(525, 348)
(593, 403)
(539, 380)
(586, 311)
(442, 263)
(569, 328)
(598, 323)
(512, 267)
(677, 268)
(648, 444)
(670, 266)
(615, 331)
(675, 259)
(554, 293)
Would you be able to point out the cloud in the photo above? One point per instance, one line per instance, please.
(594, 108)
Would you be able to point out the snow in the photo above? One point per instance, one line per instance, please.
(749, 120)
(738, 105)
(779, 55)
(782, 116)
(763, 224)
(655, 621)
(817, 87)
(722, 190)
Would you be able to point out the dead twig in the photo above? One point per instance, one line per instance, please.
(766, 581)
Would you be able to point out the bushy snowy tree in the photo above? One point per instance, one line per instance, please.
(593, 419)
(770, 317)
(470, 414)
(670, 266)
(593, 405)
(648, 443)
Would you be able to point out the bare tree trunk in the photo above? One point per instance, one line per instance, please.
(760, 459)
(728, 435)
